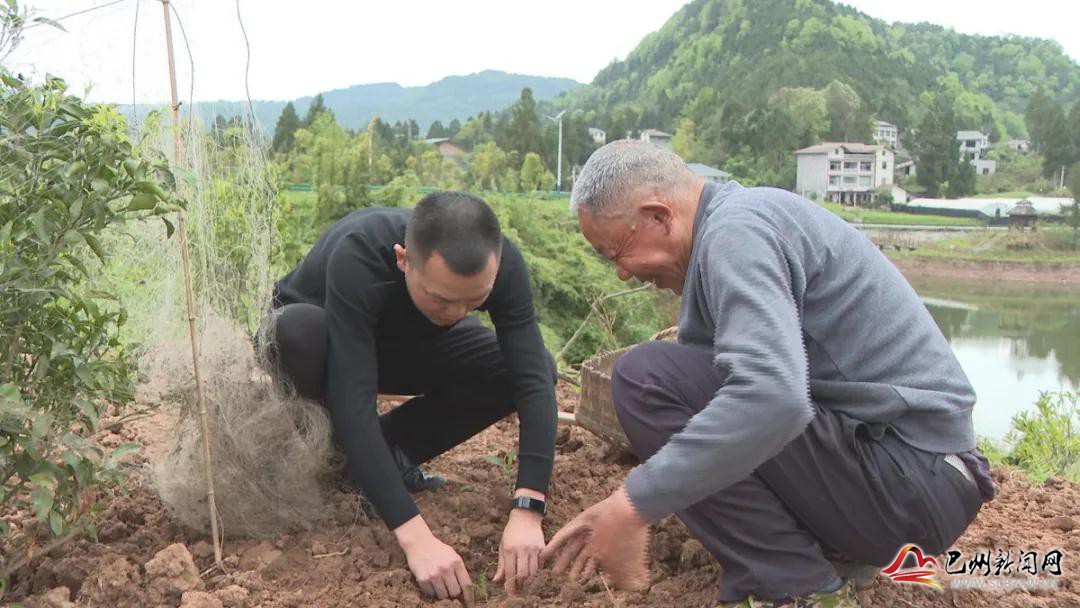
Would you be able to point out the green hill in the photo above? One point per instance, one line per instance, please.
(735, 55)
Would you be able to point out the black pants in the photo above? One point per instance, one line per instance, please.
(458, 375)
(843, 489)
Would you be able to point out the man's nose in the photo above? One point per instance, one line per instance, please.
(459, 312)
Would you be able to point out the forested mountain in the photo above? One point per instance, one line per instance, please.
(744, 80)
(446, 99)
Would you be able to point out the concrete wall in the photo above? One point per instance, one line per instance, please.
(812, 175)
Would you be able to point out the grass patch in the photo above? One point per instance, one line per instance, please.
(892, 218)
(1049, 245)
(1043, 442)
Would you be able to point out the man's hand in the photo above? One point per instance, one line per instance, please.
(438, 569)
(610, 535)
(522, 541)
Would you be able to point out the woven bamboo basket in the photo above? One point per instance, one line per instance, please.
(596, 410)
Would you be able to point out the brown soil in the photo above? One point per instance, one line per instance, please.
(1057, 274)
(145, 559)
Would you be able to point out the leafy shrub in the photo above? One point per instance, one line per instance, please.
(1046, 441)
(68, 173)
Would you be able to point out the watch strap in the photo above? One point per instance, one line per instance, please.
(529, 504)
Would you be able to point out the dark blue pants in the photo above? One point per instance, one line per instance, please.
(843, 490)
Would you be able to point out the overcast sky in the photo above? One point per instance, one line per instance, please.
(301, 48)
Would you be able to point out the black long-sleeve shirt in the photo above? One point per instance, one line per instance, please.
(352, 273)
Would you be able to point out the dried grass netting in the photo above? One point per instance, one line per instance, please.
(272, 451)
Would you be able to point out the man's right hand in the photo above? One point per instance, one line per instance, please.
(438, 569)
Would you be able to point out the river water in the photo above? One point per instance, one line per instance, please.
(1013, 341)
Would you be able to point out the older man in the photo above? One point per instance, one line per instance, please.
(810, 422)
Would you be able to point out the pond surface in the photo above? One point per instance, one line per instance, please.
(1013, 341)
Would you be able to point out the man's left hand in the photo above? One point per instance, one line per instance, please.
(610, 535)
(519, 551)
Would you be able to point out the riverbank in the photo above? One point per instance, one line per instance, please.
(914, 267)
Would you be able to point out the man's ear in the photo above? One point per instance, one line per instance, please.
(401, 257)
(657, 212)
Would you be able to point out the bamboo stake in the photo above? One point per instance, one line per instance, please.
(185, 256)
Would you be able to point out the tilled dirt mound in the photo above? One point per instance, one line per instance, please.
(143, 558)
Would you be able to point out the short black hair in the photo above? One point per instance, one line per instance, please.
(460, 226)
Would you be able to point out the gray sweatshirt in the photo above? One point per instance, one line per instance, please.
(800, 309)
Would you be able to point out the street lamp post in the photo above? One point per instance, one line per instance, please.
(558, 169)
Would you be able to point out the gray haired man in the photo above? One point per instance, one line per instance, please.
(810, 422)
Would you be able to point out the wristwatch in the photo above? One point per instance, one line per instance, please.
(530, 504)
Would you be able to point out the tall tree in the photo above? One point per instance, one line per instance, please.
(488, 163)
(963, 181)
(382, 133)
(317, 107)
(936, 146)
(1074, 130)
(406, 131)
(1057, 145)
(453, 128)
(808, 111)
(475, 131)
(285, 130)
(844, 107)
(532, 172)
(436, 130)
(522, 131)
(1037, 116)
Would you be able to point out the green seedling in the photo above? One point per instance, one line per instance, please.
(480, 585)
(506, 463)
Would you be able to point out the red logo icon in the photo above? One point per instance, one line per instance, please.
(920, 575)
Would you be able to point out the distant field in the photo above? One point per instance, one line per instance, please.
(870, 216)
(1048, 245)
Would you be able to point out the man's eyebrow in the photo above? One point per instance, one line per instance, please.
(440, 296)
(435, 294)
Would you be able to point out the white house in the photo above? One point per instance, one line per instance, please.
(598, 136)
(973, 146)
(655, 136)
(887, 134)
(848, 173)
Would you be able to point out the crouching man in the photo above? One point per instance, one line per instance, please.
(810, 422)
(380, 305)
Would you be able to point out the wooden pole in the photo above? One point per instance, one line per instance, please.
(185, 256)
